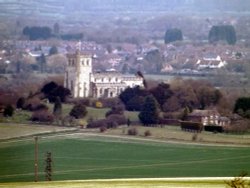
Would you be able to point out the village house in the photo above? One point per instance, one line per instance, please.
(210, 62)
(83, 82)
(208, 117)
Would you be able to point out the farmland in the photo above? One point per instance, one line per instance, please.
(79, 156)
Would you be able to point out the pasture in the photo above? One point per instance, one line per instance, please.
(82, 156)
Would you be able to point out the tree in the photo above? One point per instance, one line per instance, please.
(242, 104)
(78, 111)
(154, 60)
(51, 90)
(129, 93)
(57, 111)
(8, 111)
(35, 33)
(20, 103)
(42, 63)
(53, 50)
(150, 112)
(172, 35)
(222, 32)
(161, 93)
(56, 29)
(47, 88)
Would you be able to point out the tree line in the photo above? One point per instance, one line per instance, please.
(170, 100)
(217, 33)
(45, 32)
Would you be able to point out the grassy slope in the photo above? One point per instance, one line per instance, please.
(88, 157)
(11, 130)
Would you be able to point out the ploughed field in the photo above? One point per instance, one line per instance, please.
(81, 156)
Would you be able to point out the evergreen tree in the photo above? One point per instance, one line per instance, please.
(172, 35)
(222, 32)
(150, 111)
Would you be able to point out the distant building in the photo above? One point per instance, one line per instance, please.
(208, 117)
(211, 62)
(82, 82)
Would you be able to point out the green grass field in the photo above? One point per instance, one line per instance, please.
(86, 156)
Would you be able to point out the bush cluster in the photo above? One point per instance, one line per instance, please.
(42, 116)
(147, 133)
(133, 132)
(111, 121)
(191, 126)
(238, 129)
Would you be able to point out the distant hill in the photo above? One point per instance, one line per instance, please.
(62, 8)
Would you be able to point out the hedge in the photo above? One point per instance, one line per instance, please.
(213, 128)
(191, 126)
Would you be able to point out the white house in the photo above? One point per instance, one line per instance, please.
(209, 62)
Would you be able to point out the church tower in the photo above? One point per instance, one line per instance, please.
(78, 74)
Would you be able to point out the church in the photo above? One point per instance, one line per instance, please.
(83, 82)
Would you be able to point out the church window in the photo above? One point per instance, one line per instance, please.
(82, 62)
(116, 79)
(109, 79)
(87, 62)
(101, 91)
(102, 79)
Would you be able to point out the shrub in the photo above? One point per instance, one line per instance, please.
(103, 129)
(98, 124)
(118, 109)
(68, 121)
(119, 119)
(40, 107)
(8, 111)
(112, 124)
(32, 104)
(191, 126)
(147, 133)
(238, 182)
(42, 116)
(213, 128)
(133, 132)
(238, 128)
(195, 137)
(78, 111)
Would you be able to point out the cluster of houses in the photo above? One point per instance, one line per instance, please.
(184, 58)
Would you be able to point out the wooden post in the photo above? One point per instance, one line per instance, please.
(36, 159)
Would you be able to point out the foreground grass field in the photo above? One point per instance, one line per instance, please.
(130, 183)
(89, 156)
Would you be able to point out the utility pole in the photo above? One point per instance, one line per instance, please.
(36, 159)
(48, 168)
